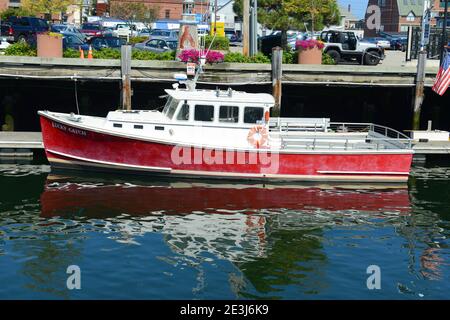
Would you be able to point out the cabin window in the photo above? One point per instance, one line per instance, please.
(183, 114)
(117, 125)
(170, 107)
(138, 126)
(229, 114)
(204, 113)
(253, 114)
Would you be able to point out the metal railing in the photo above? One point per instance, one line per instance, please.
(296, 133)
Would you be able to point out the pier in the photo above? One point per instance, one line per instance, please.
(19, 144)
(220, 74)
(22, 144)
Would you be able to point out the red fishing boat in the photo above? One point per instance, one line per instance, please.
(225, 135)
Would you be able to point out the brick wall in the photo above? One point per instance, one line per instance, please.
(390, 19)
(170, 9)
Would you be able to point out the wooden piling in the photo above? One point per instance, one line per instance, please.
(125, 63)
(277, 72)
(419, 91)
(246, 28)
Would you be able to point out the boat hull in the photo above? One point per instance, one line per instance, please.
(74, 146)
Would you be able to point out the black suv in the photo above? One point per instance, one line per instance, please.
(24, 29)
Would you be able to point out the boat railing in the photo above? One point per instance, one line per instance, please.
(299, 132)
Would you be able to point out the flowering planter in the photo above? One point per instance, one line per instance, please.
(310, 56)
(309, 51)
(49, 46)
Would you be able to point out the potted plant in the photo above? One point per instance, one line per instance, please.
(49, 45)
(309, 51)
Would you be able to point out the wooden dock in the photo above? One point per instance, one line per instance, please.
(432, 147)
(19, 144)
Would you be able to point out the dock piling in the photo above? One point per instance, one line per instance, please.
(125, 63)
(277, 73)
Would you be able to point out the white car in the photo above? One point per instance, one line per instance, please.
(124, 31)
(3, 43)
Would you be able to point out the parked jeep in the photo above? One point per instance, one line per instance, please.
(345, 46)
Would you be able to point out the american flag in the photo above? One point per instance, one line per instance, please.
(443, 76)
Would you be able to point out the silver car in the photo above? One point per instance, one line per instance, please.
(158, 45)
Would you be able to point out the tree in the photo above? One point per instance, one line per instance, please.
(293, 14)
(5, 14)
(133, 11)
(46, 6)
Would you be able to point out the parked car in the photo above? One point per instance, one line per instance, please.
(125, 30)
(158, 45)
(92, 30)
(164, 33)
(381, 42)
(99, 43)
(73, 41)
(63, 28)
(345, 46)
(144, 33)
(229, 33)
(24, 29)
(266, 43)
(399, 43)
(4, 44)
(7, 32)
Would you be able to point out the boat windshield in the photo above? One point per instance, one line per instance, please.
(170, 107)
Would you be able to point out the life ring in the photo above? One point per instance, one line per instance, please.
(258, 136)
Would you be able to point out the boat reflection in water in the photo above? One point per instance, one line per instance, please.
(223, 216)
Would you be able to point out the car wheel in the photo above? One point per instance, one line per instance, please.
(372, 58)
(335, 55)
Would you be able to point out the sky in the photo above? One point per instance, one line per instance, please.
(358, 6)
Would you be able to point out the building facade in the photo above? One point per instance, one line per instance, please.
(398, 15)
(5, 4)
(170, 9)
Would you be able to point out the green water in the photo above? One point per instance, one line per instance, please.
(148, 239)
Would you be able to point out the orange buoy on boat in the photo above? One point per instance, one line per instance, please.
(258, 136)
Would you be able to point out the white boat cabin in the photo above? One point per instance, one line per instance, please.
(206, 117)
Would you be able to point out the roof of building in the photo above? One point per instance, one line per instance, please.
(406, 6)
(348, 15)
(211, 95)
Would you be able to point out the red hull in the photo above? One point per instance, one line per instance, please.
(111, 200)
(71, 147)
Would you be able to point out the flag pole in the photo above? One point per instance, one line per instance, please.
(444, 32)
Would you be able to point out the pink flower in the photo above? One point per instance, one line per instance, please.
(309, 44)
(193, 55)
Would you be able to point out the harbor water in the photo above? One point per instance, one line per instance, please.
(142, 238)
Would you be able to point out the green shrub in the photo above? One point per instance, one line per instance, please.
(290, 57)
(71, 53)
(106, 53)
(220, 43)
(259, 58)
(148, 55)
(134, 40)
(20, 49)
(238, 57)
(327, 59)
